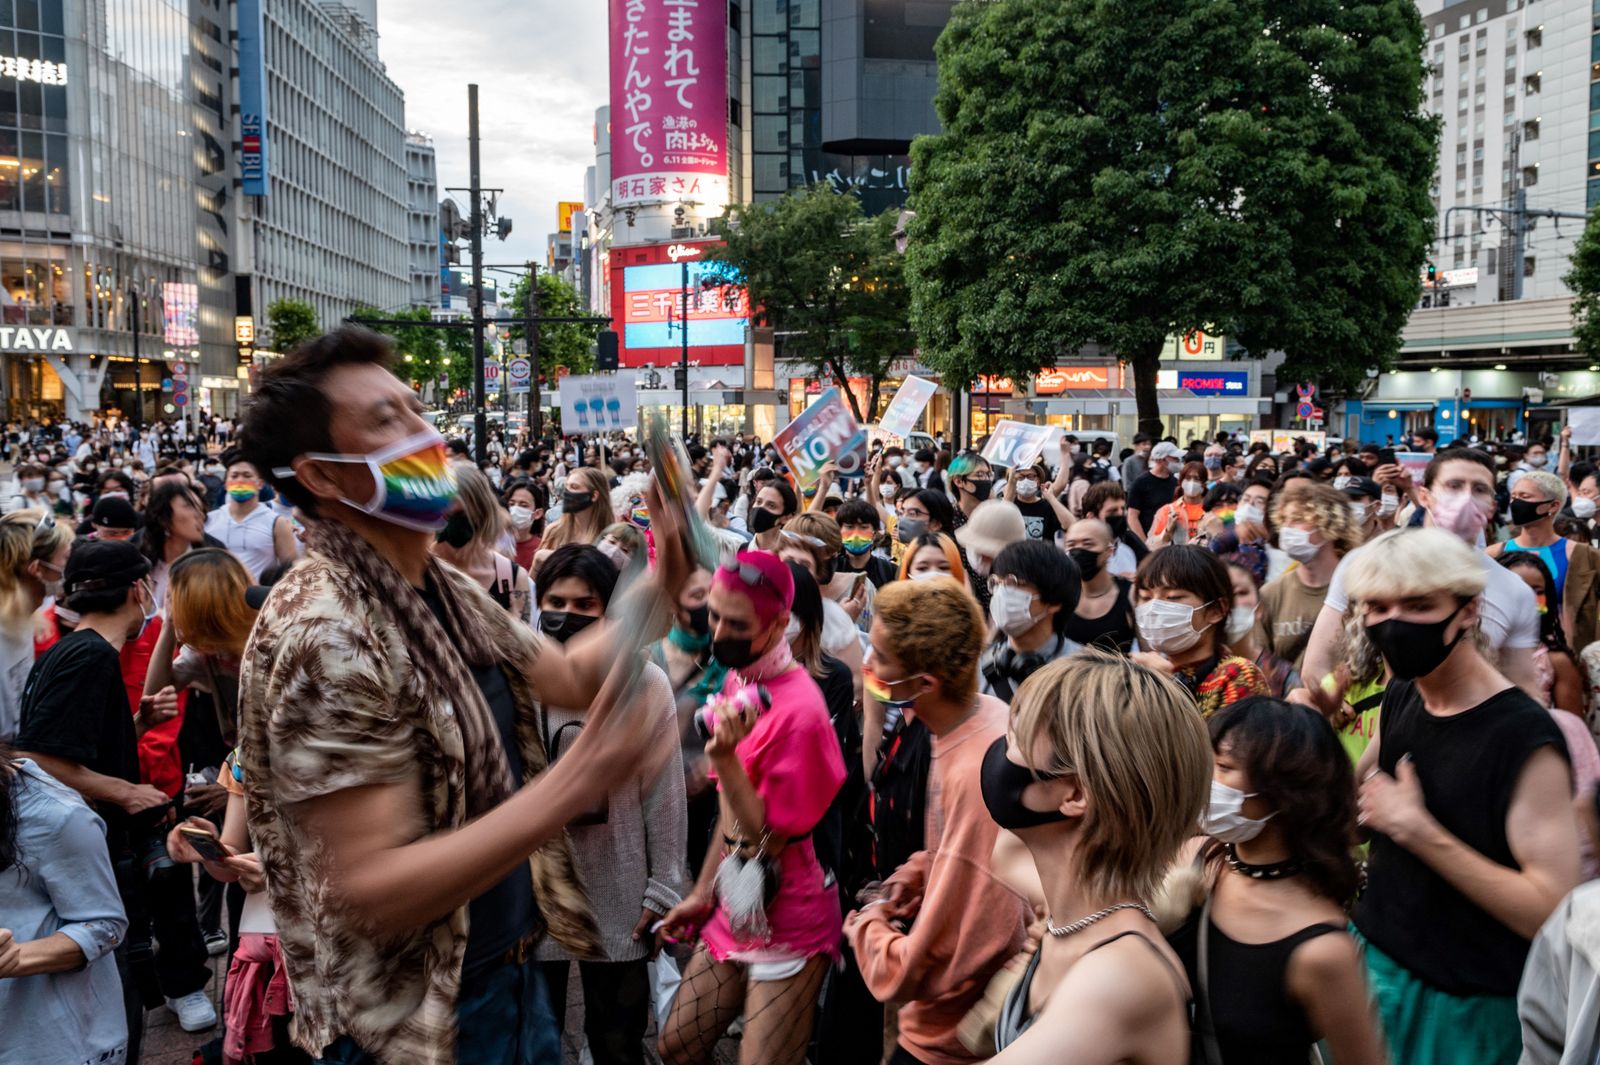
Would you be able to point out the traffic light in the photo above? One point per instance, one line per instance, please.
(605, 357)
(1433, 273)
(677, 379)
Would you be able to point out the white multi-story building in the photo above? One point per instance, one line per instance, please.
(422, 219)
(332, 228)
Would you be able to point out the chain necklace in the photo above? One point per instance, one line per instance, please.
(1080, 925)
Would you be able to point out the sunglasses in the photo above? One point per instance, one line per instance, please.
(802, 538)
(750, 574)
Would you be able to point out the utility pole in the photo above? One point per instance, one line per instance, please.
(536, 405)
(138, 383)
(479, 420)
(683, 323)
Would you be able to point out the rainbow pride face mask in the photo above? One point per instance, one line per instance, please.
(242, 491)
(639, 515)
(414, 485)
(857, 545)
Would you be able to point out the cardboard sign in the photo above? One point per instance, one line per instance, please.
(907, 406)
(1017, 443)
(825, 431)
(598, 404)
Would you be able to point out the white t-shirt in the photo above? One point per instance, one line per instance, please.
(251, 540)
(1509, 614)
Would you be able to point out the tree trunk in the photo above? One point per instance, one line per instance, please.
(874, 395)
(844, 386)
(1146, 364)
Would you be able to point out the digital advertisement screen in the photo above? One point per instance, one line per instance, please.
(647, 292)
(180, 309)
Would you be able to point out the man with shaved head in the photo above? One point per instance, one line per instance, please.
(1104, 615)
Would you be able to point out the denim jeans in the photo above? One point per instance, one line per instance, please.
(502, 1018)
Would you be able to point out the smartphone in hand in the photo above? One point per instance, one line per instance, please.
(204, 843)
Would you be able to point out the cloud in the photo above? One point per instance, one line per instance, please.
(540, 66)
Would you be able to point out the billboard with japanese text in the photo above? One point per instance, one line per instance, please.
(669, 102)
(647, 289)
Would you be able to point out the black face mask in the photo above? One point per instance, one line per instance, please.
(563, 625)
(1003, 782)
(457, 531)
(1414, 648)
(700, 620)
(576, 502)
(909, 529)
(1526, 512)
(761, 520)
(734, 653)
(1118, 524)
(980, 490)
(1087, 561)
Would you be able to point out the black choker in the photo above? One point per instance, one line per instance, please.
(1275, 871)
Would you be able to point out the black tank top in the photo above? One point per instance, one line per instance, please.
(1114, 630)
(1468, 764)
(1256, 1020)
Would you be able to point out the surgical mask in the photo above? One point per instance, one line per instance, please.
(1224, 820)
(33, 484)
(521, 517)
(412, 482)
(857, 545)
(908, 529)
(1167, 627)
(1342, 482)
(149, 616)
(762, 520)
(241, 491)
(457, 531)
(1028, 487)
(929, 575)
(1249, 514)
(563, 625)
(1240, 621)
(1193, 488)
(887, 490)
(1003, 781)
(1414, 648)
(1087, 561)
(1388, 505)
(1213, 463)
(1459, 513)
(1582, 507)
(1526, 511)
(979, 564)
(1537, 461)
(1360, 511)
(893, 462)
(1296, 543)
(1012, 610)
(617, 555)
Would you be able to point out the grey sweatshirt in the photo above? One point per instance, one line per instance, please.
(636, 857)
(1559, 998)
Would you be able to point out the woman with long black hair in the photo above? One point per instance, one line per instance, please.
(1267, 952)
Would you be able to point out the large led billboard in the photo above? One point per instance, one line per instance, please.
(647, 289)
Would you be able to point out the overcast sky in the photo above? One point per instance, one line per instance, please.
(540, 66)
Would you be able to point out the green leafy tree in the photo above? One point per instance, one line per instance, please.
(292, 323)
(1121, 172)
(422, 350)
(569, 344)
(1584, 281)
(828, 279)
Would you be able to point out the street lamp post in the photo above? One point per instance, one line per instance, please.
(138, 381)
(683, 325)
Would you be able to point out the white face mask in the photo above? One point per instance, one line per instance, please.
(1027, 487)
(617, 555)
(1012, 610)
(1193, 488)
(1240, 619)
(1167, 627)
(1223, 820)
(1248, 514)
(1582, 507)
(1537, 461)
(1296, 543)
(521, 517)
(893, 462)
(980, 565)
(1388, 505)
(1342, 482)
(887, 490)
(1360, 510)
(929, 574)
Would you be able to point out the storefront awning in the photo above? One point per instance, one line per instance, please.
(1123, 401)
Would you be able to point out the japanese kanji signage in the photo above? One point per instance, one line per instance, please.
(669, 102)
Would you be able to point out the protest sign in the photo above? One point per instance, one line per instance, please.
(1017, 443)
(825, 431)
(597, 404)
(907, 406)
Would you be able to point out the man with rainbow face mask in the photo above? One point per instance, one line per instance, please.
(255, 534)
(397, 790)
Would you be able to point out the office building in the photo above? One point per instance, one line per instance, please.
(332, 225)
(422, 220)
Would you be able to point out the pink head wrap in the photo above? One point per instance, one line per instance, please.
(762, 578)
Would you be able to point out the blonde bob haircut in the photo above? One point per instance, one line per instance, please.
(206, 595)
(1408, 563)
(1325, 509)
(28, 535)
(933, 627)
(1139, 747)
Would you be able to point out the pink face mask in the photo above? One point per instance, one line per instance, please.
(1459, 513)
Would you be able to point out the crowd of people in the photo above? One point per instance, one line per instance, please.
(1198, 752)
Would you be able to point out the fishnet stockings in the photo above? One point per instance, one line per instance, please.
(778, 1014)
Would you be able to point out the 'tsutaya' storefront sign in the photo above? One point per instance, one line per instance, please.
(27, 339)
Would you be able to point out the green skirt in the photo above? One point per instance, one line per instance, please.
(1426, 1026)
